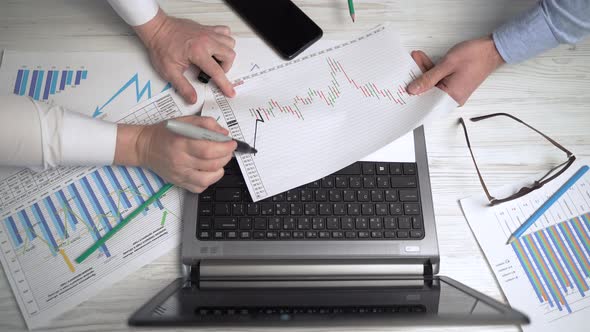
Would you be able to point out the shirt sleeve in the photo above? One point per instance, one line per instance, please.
(41, 136)
(550, 23)
(135, 12)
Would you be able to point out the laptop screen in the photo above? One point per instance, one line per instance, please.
(435, 300)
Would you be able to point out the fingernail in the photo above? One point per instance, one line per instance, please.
(414, 88)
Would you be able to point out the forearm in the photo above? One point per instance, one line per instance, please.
(41, 136)
(548, 24)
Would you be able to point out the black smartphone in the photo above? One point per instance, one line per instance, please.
(280, 23)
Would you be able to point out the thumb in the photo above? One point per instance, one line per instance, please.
(430, 78)
(184, 88)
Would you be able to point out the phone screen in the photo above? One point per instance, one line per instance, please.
(281, 23)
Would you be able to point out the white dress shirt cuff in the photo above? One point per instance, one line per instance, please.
(135, 12)
(86, 141)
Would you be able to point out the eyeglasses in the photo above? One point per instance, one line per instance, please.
(552, 174)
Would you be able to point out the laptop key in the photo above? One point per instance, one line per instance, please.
(361, 223)
(226, 223)
(410, 168)
(274, 223)
(412, 208)
(416, 222)
(335, 195)
(403, 181)
(391, 195)
(376, 234)
(259, 235)
(205, 223)
(404, 222)
(341, 181)
(232, 235)
(303, 223)
(339, 209)
(298, 235)
(205, 209)
(228, 194)
(218, 235)
(332, 223)
(267, 209)
(245, 223)
(381, 209)
(408, 195)
(369, 182)
(368, 168)
(337, 234)
(375, 223)
(350, 234)
(324, 234)
(289, 223)
(383, 182)
(284, 234)
(272, 235)
(354, 209)
(395, 169)
(395, 208)
(318, 223)
(416, 234)
(282, 209)
(204, 235)
(363, 234)
(306, 195)
(253, 209)
(389, 234)
(347, 222)
(259, 223)
(244, 235)
(321, 195)
(382, 169)
(310, 209)
(389, 223)
(402, 234)
(311, 234)
(237, 209)
(296, 209)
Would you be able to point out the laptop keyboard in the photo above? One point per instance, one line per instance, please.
(364, 201)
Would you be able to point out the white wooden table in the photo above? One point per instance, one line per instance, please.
(551, 92)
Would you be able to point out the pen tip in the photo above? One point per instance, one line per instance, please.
(353, 17)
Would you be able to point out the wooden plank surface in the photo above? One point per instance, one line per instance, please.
(551, 92)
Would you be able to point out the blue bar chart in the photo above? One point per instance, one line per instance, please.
(93, 205)
(556, 261)
(40, 84)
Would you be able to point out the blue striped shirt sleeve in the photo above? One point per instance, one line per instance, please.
(545, 26)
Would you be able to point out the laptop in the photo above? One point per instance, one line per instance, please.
(356, 247)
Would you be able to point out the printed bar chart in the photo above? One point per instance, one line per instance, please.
(91, 201)
(556, 260)
(44, 83)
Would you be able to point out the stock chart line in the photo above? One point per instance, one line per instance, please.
(330, 94)
(139, 93)
(259, 118)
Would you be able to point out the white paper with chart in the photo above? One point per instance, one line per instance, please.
(546, 272)
(48, 218)
(323, 111)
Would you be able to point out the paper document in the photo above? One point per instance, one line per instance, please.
(323, 111)
(546, 272)
(48, 218)
(253, 54)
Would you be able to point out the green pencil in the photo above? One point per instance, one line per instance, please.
(351, 9)
(123, 222)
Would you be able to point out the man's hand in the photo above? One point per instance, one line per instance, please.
(464, 67)
(188, 163)
(174, 44)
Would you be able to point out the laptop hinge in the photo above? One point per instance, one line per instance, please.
(305, 273)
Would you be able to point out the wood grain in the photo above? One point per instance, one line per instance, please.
(551, 92)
